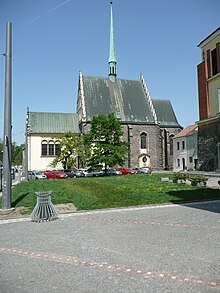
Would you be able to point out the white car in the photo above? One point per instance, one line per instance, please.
(36, 175)
(142, 170)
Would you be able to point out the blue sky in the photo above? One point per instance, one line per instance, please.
(54, 39)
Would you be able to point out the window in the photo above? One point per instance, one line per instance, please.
(190, 159)
(183, 145)
(44, 148)
(171, 144)
(57, 148)
(178, 162)
(51, 148)
(214, 62)
(143, 140)
(219, 100)
(178, 145)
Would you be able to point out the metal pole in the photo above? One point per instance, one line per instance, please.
(6, 193)
(26, 146)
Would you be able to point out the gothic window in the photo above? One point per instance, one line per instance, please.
(44, 148)
(143, 140)
(171, 144)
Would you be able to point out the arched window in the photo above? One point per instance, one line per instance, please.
(44, 148)
(178, 162)
(171, 144)
(143, 140)
(57, 148)
(51, 148)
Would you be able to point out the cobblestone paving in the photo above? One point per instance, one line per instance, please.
(168, 248)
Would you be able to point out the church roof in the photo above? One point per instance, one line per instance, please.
(165, 113)
(45, 122)
(125, 98)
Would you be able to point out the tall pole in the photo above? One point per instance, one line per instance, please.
(26, 145)
(6, 192)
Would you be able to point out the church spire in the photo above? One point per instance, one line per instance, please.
(112, 56)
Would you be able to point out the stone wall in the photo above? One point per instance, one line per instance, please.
(208, 138)
(157, 153)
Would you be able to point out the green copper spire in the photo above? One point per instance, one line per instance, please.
(112, 56)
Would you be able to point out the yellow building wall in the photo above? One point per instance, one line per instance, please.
(210, 46)
(213, 86)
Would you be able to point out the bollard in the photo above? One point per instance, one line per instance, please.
(44, 209)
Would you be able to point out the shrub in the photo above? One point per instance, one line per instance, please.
(180, 176)
(197, 178)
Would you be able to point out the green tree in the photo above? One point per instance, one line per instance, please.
(102, 143)
(16, 154)
(70, 149)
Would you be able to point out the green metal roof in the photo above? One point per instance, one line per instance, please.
(165, 114)
(125, 98)
(44, 122)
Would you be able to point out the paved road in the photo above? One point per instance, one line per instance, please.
(169, 248)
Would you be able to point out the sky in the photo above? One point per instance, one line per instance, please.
(52, 40)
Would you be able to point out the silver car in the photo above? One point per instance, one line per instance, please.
(36, 175)
(142, 170)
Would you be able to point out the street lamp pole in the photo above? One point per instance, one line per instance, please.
(6, 192)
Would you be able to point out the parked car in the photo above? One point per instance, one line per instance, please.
(73, 173)
(111, 172)
(91, 173)
(142, 170)
(36, 175)
(125, 171)
(56, 175)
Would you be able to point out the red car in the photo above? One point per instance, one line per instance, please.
(55, 175)
(125, 171)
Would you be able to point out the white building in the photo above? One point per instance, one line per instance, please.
(42, 144)
(185, 149)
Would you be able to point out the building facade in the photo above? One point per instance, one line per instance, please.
(209, 103)
(185, 149)
(42, 144)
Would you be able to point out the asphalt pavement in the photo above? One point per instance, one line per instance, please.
(165, 248)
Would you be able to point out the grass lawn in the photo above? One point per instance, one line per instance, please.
(110, 192)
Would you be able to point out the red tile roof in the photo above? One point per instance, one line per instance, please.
(186, 131)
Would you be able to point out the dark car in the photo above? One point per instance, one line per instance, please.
(111, 172)
(73, 173)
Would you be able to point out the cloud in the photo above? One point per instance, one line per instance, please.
(51, 10)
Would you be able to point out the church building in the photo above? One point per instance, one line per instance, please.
(148, 125)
